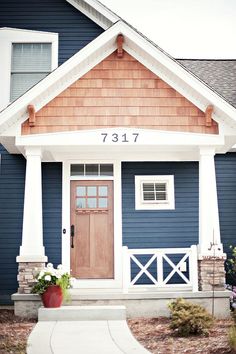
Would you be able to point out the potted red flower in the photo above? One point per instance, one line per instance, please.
(52, 284)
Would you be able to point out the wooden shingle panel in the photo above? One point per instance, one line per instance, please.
(120, 92)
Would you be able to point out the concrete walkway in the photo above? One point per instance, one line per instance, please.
(83, 330)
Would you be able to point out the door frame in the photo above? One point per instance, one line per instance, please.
(117, 210)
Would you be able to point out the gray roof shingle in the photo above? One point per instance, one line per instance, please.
(220, 75)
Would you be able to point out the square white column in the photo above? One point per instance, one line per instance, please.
(209, 228)
(32, 249)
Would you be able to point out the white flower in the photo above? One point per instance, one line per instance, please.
(41, 274)
(49, 265)
(60, 267)
(48, 277)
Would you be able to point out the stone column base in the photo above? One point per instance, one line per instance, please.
(26, 274)
(211, 274)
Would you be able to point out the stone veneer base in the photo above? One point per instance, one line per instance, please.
(138, 305)
(211, 274)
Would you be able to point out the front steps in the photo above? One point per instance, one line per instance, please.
(138, 304)
(82, 313)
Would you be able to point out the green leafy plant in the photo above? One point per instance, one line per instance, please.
(230, 265)
(51, 276)
(188, 318)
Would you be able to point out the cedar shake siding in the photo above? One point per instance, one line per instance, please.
(119, 92)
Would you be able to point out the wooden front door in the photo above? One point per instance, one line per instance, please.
(92, 252)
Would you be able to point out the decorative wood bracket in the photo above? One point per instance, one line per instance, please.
(208, 115)
(120, 41)
(31, 111)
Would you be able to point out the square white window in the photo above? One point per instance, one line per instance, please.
(154, 192)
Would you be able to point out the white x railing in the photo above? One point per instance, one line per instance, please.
(161, 268)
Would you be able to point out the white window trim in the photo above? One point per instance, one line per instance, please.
(162, 205)
(13, 35)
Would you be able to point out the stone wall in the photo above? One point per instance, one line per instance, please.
(26, 274)
(211, 273)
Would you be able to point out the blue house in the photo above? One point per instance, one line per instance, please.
(117, 160)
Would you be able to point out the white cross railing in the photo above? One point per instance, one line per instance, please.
(161, 268)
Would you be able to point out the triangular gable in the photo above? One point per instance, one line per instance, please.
(156, 60)
(120, 92)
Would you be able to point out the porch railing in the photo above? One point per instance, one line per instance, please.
(161, 268)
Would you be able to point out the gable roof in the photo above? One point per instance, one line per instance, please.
(138, 46)
(220, 75)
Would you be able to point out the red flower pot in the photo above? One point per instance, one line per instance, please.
(53, 296)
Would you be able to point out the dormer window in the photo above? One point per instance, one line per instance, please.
(31, 62)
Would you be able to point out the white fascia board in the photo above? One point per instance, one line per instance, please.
(145, 137)
(96, 11)
(152, 57)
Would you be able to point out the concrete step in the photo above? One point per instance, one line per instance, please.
(82, 313)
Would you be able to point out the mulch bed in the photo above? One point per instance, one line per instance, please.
(155, 335)
(14, 332)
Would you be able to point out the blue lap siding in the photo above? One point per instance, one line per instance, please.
(161, 228)
(226, 187)
(75, 29)
(12, 180)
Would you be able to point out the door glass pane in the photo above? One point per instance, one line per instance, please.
(80, 191)
(77, 170)
(92, 203)
(91, 170)
(92, 191)
(81, 203)
(102, 191)
(102, 202)
(106, 170)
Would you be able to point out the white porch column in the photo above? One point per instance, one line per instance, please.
(209, 228)
(32, 249)
(211, 258)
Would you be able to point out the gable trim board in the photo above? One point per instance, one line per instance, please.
(138, 47)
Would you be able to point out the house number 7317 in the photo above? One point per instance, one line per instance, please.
(119, 138)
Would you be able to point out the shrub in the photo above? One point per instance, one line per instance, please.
(188, 318)
(232, 338)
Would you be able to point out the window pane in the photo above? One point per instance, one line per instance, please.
(81, 191)
(102, 202)
(102, 191)
(148, 187)
(148, 196)
(161, 196)
(91, 170)
(20, 83)
(77, 170)
(31, 57)
(81, 203)
(92, 203)
(92, 191)
(106, 170)
(160, 187)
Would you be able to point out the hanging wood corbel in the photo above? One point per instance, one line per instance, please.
(208, 115)
(31, 111)
(120, 41)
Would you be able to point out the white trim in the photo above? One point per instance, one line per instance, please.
(96, 11)
(14, 35)
(144, 51)
(100, 283)
(140, 204)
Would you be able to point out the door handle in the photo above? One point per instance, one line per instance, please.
(72, 234)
